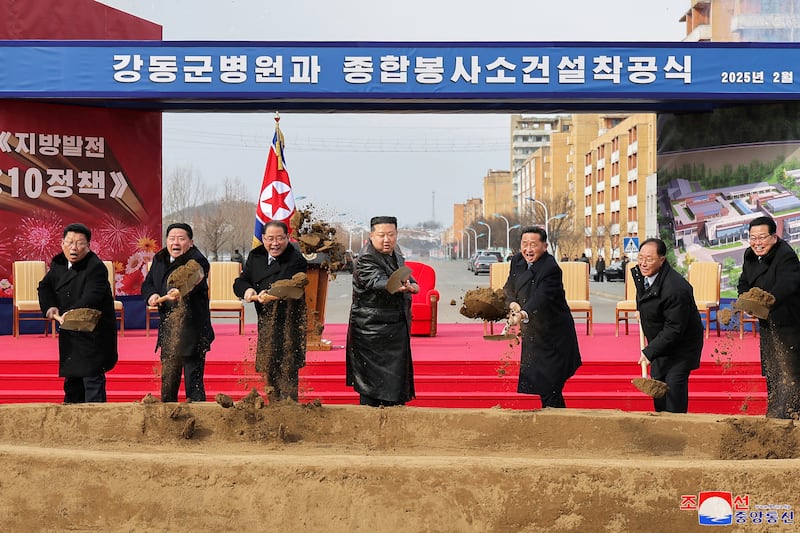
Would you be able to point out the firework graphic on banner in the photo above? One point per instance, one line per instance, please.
(39, 236)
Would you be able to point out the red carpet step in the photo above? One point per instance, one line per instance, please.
(457, 368)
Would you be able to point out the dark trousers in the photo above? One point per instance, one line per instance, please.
(363, 399)
(553, 399)
(677, 379)
(84, 390)
(192, 369)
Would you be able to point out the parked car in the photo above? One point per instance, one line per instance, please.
(471, 262)
(615, 272)
(482, 253)
(483, 264)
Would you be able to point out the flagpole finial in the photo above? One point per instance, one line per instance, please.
(277, 117)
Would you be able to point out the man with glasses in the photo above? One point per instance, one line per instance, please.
(671, 324)
(281, 348)
(772, 265)
(79, 279)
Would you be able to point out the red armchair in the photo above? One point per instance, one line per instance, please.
(424, 304)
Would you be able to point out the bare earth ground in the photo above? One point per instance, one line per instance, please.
(287, 467)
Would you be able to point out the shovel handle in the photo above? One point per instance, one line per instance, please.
(162, 299)
(641, 345)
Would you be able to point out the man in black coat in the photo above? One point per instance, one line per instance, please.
(184, 333)
(378, 355)
(77, 279)
(671, 323)
(772, 265)
(534, 292)
(281, 350)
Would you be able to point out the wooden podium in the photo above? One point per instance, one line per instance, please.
(316, 296)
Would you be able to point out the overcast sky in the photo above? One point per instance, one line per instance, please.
(413, 166)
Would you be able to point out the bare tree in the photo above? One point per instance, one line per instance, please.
(240, 212)
(212, 229)
(183, 192)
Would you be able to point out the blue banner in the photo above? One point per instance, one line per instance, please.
(369, 71)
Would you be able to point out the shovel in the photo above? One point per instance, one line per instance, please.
(651, 387)
(289, 289)
(80, 319)
(184, 278)
(503, 336)
(397, 279)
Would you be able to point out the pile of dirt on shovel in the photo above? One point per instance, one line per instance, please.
(486, 304)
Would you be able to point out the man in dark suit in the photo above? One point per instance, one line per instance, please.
(185, 333)
(535, 295)
(771, 264)
(281, 349)
(670, 321)
(77, 279)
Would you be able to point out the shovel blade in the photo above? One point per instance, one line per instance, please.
(651, 387)
(185, 277)
(81, 319)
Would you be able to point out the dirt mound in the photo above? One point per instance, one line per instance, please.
(486, 304)
(151, 466)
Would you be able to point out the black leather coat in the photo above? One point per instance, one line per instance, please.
(379, 333)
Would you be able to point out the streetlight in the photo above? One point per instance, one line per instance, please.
(508, 235)
(464, 232)
(475, 233)
(508, 230)
(489, 241)
(547, 217)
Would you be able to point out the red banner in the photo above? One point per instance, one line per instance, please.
(63, 164)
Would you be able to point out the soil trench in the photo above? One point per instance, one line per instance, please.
(311, 467)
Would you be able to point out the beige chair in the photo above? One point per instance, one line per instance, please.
(704, 277)
(119, 309)
(626, 309)
(576, 287)
(27, 275)
(498, 274)
(224, 303)
(747, 318)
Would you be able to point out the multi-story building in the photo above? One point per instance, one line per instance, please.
(497, 193)
(528, 134)
(743, 21)
(619, 186)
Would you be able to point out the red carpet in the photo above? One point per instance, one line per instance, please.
(457, 368)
